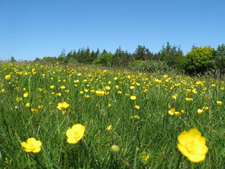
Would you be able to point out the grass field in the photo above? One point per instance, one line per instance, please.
(131, 119)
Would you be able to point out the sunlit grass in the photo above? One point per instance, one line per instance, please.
(141, 114)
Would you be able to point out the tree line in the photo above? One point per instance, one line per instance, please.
(198, 61)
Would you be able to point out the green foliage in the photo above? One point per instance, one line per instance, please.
(199, 60)
(152, 66)
(49, 59)
(220, 59)
(82, 56)
(12, 59)
(170, 55)
(104, 59)
(142, 53)
(135, 64)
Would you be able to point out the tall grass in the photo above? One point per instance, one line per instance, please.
(147, 137)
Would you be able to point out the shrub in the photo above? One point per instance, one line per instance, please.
(200, 60)
(152, 66)
(104, 60)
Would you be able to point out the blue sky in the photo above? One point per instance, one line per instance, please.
(38, 28)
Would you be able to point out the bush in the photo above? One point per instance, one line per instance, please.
(135, 64)
(152, 66)
(200, 60)
(105, 59)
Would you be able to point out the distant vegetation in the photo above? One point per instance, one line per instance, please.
(200, 60)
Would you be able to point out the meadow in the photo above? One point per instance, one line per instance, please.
(126, 119)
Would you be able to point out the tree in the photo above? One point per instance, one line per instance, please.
(170, 54)
(12, 59)
(199, 60)
(125, 58)
(149, 55)
(220, 58)
(140, 53)
(63, 53)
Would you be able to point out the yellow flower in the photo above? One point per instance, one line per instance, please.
(172, 111)
(165, 76)
(219, 102)
(34, 110)
(52, 86)
(76, 81)
(182, 111)
(58, 94)
(133, 97)
(8, 77)
(40, 106)
(131, 87)
(198, 83)
(205, 108)
(86, 96)
(192, 145)
(109, 127)
(145, 90)
(188, 90)
(137, 107)
(157, 81)
(107, 87)
(25, 94)
(194, 91)
(175, 96)
(188, 99)
(136, 117)
(32, 145)
(92, 91)
(62, 87)
(75, 133)
(177, 113)
(200, 111)
(27, 105)
(119, 92)
(62, 106)
(99, 92)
